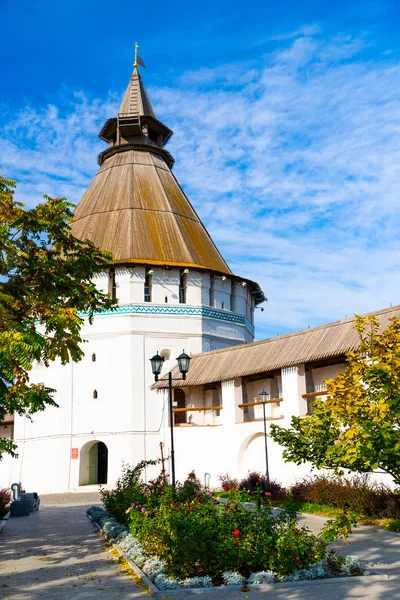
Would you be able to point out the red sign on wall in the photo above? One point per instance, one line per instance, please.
(74, 452)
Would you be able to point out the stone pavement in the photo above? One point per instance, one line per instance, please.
(56, 553)
(68, 499)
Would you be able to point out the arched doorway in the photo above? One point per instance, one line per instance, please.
(93, 466)
(180, 400)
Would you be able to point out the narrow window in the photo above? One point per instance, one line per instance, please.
(179, 397)
(95, 394)
(112, 286)
(212, 291)
(147, 285)
(233, 296)
(93, 357)
(182, 287)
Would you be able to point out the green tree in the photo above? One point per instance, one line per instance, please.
(357, 426)
(45, 280)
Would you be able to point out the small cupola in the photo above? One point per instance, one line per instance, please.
(136, 120)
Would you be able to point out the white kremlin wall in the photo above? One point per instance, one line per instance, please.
(126, 415)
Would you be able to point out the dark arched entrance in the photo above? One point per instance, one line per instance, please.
(102, 462)
(180, 402)
(93, 463)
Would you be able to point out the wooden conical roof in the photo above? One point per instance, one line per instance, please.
(135, 207)
(136, 100)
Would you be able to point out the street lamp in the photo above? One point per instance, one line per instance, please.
(156, 366)
(264, 396)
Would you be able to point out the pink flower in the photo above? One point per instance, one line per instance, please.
(236, 533)
(143, 509)
(267, 493)
(195, 490)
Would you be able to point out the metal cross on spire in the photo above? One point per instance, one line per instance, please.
(138, 60)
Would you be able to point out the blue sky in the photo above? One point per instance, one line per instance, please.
(286, 119)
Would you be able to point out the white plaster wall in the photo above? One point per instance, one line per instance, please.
(129, 284)
(194, 282)
(129, 417)
(205, 289)
(319, 375)
(165, 285)
(293, 387)
(234, 449)
(241, 298)
(222, 287)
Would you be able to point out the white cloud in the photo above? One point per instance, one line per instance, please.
(291, 161)
(306, 30)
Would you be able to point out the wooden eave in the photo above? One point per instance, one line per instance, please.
(158, 126)
(301, 347)
(140, 148)
(108, 130)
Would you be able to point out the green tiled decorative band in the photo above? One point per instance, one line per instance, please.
(177, 310)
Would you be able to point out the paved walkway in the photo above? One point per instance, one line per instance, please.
(56, 553)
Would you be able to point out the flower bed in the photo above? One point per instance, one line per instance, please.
(156, 569)
(186, 538)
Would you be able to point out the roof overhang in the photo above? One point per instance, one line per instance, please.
(139, 147)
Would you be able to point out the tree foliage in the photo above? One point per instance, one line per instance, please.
(357, 426)
(45, 281)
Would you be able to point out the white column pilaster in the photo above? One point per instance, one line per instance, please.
(232, 396)
(293, 386)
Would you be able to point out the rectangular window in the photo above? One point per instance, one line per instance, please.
(233, 296)
(112, 286)
(147, 285)
(182, 287)
(211, 301)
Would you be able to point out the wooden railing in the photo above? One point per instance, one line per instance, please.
(314, 394)
(194, 408)
(259, 402)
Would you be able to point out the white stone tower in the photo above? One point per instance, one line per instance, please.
(174, 292)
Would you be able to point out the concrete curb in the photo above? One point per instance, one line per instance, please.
(4, 521)
(262, 587)
(145, 580)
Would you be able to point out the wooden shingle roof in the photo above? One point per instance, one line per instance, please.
(136, 100)
(135, 207)
(318, 343)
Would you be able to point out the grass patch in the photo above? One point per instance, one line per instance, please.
(324, 510)
(388, 524)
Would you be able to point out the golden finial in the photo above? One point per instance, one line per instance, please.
(138, 60)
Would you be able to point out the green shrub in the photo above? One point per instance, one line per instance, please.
(5, 499)
(255, 481)
(356, 493)
(189, 538)
(196, 536)
(228, 483)
(129, 488)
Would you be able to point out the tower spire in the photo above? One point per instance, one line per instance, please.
(137, 61)
(135, 64)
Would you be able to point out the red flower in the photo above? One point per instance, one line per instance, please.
(236, 543)
(236, 533)
(296, 531)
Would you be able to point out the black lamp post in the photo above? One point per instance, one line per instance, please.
(156, 366)
(264, 398)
